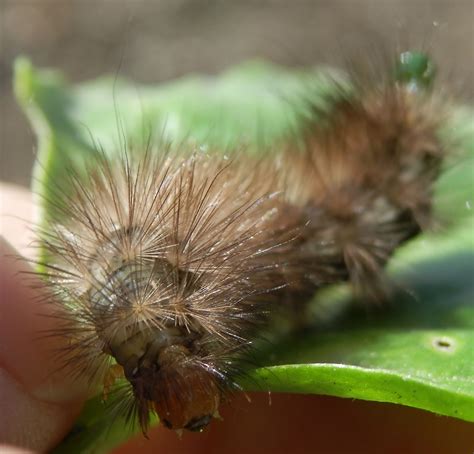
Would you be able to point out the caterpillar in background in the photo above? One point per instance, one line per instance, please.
(165, 265)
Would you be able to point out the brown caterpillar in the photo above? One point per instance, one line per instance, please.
(164, 265)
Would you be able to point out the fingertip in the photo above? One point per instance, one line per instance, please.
(37, 405)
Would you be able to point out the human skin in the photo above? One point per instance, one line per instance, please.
(38, 406)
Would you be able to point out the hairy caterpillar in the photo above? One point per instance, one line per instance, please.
(164, 265)
(163, 262)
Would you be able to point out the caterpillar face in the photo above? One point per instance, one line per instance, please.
(158, 356)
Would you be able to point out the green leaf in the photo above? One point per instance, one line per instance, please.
(419, 352)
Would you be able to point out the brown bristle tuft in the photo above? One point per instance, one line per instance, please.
(365, 181)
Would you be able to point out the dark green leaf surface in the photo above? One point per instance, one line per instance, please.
(419, 352)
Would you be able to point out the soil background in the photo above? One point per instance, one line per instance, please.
(153, 41)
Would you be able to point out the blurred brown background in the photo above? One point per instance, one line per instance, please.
(164, 39)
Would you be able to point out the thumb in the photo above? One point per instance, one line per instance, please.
(37, 406)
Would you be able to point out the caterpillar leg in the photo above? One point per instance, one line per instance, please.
(114, 372)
